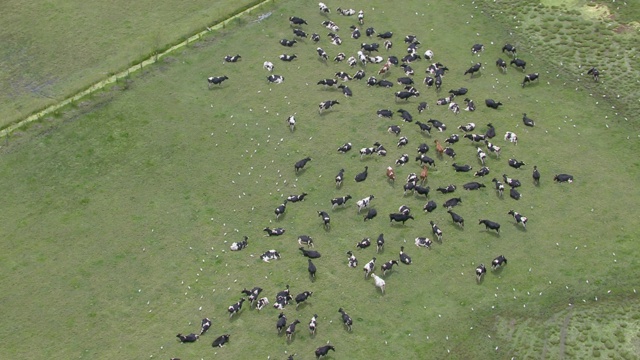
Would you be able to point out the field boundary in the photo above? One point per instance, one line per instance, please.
(136, 67)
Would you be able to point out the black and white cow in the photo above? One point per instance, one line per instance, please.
(274, 232)
(345, 90)
(216, 80)
(270, 255)
(473, 69)
(282, 322)
(514, 194)
(499, 186)
(404, 258)
(291, 329)
(436, 230)
(484, 171)
(529, 78)
(300, 33)
(423, 148)
(452, 139)
(519, 63)
(493, 148)
(563, 178)
(510, 49)
(445, 101)
(363, 203)
(322, 54)
(456, 218)
(424, 127)
(315, 37)
(386, 113)
(326, 220)
(328, 82)
(394, 129)
(326, 105)
(340, 201)
(369, 267)
(280, 209)
(330, 25)
(492, 103)
(364, 243)
(296, 198)
(430, 206)
(490, 225)
(520, 219)
(252, 294)
(476, 48)
(313, 324)
(449, 152)
(324, 8)
(353, 262)
(422, 242)
(405, 95)
(475, 137)
(188, 338)
(402, 159)
(388, 265)
(324, 350)
(447, 189)
(480, 271)
(221, 340)
(502, 65)
(262, 302)
(498, 261)
(232, 58)
(288, 43)
(422, 107)
(275, 79)
(359, 75)
(515, 163)
(468, 127)
(305, 240)
(344, 148)
(268, 65)
(437, 124)
(514, 183)
(370, 31)
(239, 245)
(511, 137)
(302, 297)
(355, 32)
(595, 73)
(424, 159)
(205, 325)
(235, 308)
(288, 58)
(405, 115)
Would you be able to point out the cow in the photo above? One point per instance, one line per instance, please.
(275, 79)
(484, 171)
(563, 178)
(436, 230)
(339, 178)
(188, 338)
(280, 209)
(492, 103)
(344, 148)
(302, 297)
(346, 319)
(391, 175)
(300, 33)
(312, 254)
(239, 245)
(456, 218)
(430, 206)
(511, 137)
(221, 340)
(529, 78)
(216, 80)
(353, 262)
(424, 159)
(475, 137)
(345, 90)
(510, 49)
(404, 258)
(514, 183)
(340, 201)
(305, 240)
(322, 54)
(499, 186)
(452, 202)
(313, 324)
(520, 219)
(480, 271)
(388, 265)
(288, 43)
(595, 73)
(461, 168)
(288, 58)
(405, 95)
(326, 105)
(449, 152)
(437, 124)
(405, 115)
(476, 48)
(515, 163)
(324, 350)
(270, 255)
(514, 194)
(502, 65)
(536, 175)
(360, 177)
(473, 69)
(399, 217)
(498, 261)
(447, 189)
(490, 225)
(519, 63)
(274, 232)
(205, 325)
(355, 33)
(363, 203)
(422, 107)
(235, 308)
(370, 214)
(324, 8)
(422, 242)
(326, 220)
(491, 131)
(473, 185)
(268, 65)
(301, 164)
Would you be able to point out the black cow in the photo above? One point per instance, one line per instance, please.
(360, 177)
(536, 175)
(312, 254)
(325, 218)
(456, 218)
(339, 178)
(510, 49)
(326, 105)
(405, 115)
(294, 20)
(514, 183)
(476, 48)
(399, 217)
(371, 214)
(438, 124)
(386, 35)
(422, 107)
(280, 209)
(473, 185)
(282, 322)
(499, 261)
(492, 103)
(394, 129)
(370, 31)
(300, 164)
(516, 164)
(424, 127)
(491, 131)
(529, 78)
(385, 83)
(519, 63)
(514, 194)
(324, 350)
(188, 338)
(563, 178)
(221, 340)
(430, 206)
(452, 202)
(449, 152)
(459, 92)
(448, 189)
(384, 113)
(345, 90)
(490, 225)
(216, 80)
(305, 240)
(461, 168)
(300, 33)
(380, 243)
(595, 73)
(405, 95)
(475, 68)
(527, 121)
(302, 297)
(346, 319)
(312, 269)
(502, 65)
(424, 159)
(422, 190)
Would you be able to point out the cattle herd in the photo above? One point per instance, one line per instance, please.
(363, 58)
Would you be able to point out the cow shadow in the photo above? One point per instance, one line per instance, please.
(520, 227)
(491, 232)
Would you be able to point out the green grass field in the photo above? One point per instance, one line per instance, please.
(118, 212)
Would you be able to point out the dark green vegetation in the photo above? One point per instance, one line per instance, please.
(118, 213)
(52, 50)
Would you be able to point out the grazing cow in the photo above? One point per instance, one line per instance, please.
(476, 48)
(480, 271)
(315, 37)
(536, 175)
(424, 127)
(424, 159)
(424, 174)
(407, 70)
(274, 232)
(287, 58)
(484, 171)
(280, 209)
(313, 324)
(368, 267)
(252, 294)
(391, 175)
(475, 68)
(527, 121)
(360, 177)
(439, 148)
(371, 214)
(473, 185)
(502, 65)
(205, 325)
(294, 20)
(438, 124)
(188, 338)
(262, 302)
(291, 329)
(380, 243)
(300, 33)
(216, 80)
(529, 78)
(461, 168)
(311, 268)
(490, 225)
(423, 148)
(491, 131)
(364, 243)
(302, 297)
(324, 8)
(339, 201)
(514, 194)
(456, 218)
(388, 265)
(305, 240)
(400, 217)
(436, 230)
(595, 73)
(499, 261)
(221, 340)
(449, 152)
(363, 203)
(405, 115)
(404, 258)
(467, 128)
(475, 137)
(448, 189)
(275, 79)
(422, 107)
(326, 220)
(492, 103)
(514, 183)
(405, 95)
(452, 202)
(516, 164)
(402, 141)
(282, 322)
(270, 255)
(422, 190)
(511, 137)
(344, 148)
(268, 65)
(296, 198)
(339, 178)
(235, 308)
(510, 49)
(232, 58)
(493, 148)
(379, 282)
(312, 254)
(422, 242)
(563, 178)
(301, 164)
(239, 245)
(519, 63)
(519, 218)
(345, 90)
(499, 186)
(326, 105)
(324, 350)
(430, 206)
(353, 262)
(288, 43)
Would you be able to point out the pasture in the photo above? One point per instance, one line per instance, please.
(119, 212)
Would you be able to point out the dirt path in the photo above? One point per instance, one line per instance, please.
(563, 331)
(153, 59)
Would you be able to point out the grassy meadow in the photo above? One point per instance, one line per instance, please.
(118, 212)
